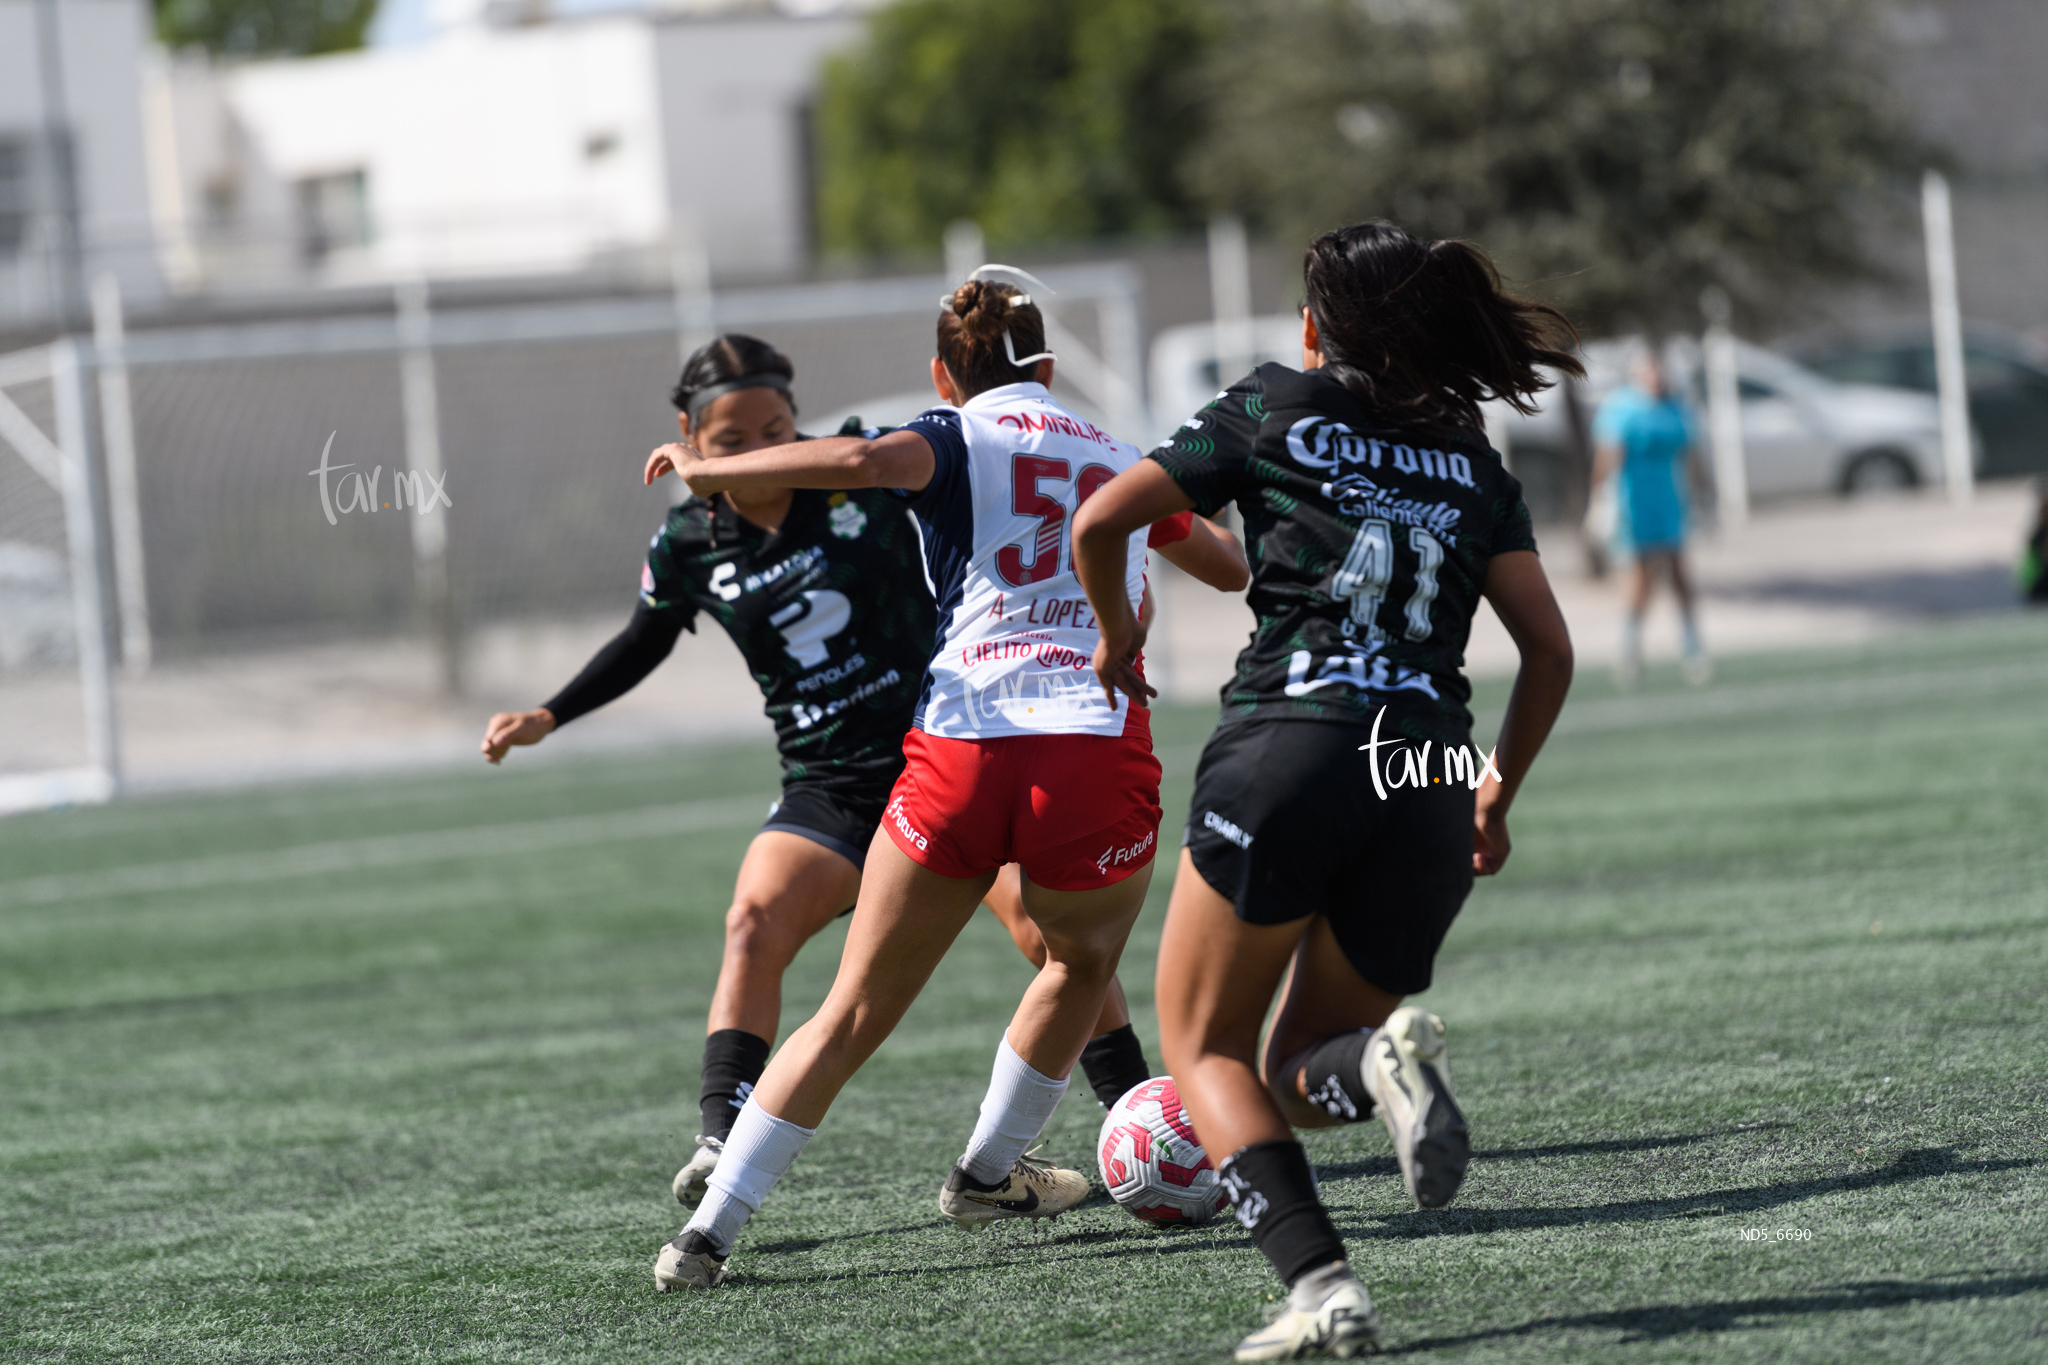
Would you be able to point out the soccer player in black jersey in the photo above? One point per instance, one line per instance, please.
(825, 596)
(1340, 811)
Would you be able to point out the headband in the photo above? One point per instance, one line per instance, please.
(1020, 280)
(711, 393)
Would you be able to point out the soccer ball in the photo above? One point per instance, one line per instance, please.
(1151, 1161)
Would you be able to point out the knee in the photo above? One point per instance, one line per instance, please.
(754, 932)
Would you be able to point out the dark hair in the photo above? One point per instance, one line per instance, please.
(1422, 332)
(729, 357)
(971, 336)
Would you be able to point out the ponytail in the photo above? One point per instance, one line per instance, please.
(1422, 331)
(990, 334)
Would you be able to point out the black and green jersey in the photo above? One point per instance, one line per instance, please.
(831, 612)
(1368, 545)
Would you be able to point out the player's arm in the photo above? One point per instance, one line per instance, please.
(1211, 554)
(897, 459)
(1520, 594)
(1103, 526)
(624, 662)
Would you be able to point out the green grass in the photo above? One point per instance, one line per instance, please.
(399, 1070)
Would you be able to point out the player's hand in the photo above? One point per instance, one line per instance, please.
(1489, 837)
(1116, 666)
(508, 728)
(673, 458)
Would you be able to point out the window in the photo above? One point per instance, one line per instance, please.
(1752, 389)
(334, 214)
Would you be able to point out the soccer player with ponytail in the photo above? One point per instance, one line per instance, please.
(823, 593)
(1016, 755)
(1340, 812)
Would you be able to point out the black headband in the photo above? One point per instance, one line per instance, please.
(711, 393)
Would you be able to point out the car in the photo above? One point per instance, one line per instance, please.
(2008, 390)
(1803, 433)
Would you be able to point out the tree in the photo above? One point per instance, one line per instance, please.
(241, 28)
(1622, 153)
(1041, 119)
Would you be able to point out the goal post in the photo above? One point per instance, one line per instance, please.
(53, 605)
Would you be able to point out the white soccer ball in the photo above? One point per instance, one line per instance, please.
(1151, 1161)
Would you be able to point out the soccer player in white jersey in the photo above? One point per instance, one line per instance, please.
(1018, 754)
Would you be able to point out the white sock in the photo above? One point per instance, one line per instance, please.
(1691, 631)
(1013, 1114)
(757, 1151)
(1631, 638)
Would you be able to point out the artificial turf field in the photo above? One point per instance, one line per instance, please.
(399, 1070)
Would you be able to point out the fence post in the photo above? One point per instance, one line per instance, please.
(423, 457)
(1949, 381)
(88, 588)
(1230, 298)
(965, 251)
(690, 276)
(124, 503)
(1724, 411)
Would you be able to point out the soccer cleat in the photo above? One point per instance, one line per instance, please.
(1035, 1189)
(689, 1186)
(1406, 1075)
(1698, 669)
(1338, 1320)
(688, 1262)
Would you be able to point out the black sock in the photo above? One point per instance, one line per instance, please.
(733, 1061)
(1333, 1078)
(1114, 1064)
(1276, 1201)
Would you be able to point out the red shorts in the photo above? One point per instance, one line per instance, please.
(1078, 812)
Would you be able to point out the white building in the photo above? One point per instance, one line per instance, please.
(498, 148)
(101, 45)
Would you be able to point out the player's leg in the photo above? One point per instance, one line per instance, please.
(1114, 1060)
(1695, 662)
(1083, 933)
(1343, 1047)
(1217, 975)
(789, 887)
(1636, 606)
(907, 917)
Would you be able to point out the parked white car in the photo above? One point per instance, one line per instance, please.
(1802, 434)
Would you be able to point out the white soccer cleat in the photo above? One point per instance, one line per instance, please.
(1034, 1189)
(1406, 1075)
(1319, 1320)
(688, 1262)
(689, 1186)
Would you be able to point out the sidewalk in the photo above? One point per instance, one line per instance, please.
(1797, 576)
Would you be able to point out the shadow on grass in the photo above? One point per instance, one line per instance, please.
(1386, 1165)
(1656, 1322)
(1925, 1163)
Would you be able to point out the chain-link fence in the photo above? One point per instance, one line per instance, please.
(411, 472)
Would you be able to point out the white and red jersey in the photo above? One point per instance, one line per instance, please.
(1015, 649)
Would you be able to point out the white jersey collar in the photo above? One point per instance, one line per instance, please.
(1008, 393)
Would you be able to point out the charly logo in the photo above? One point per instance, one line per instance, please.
(1410, 767)
(358, 492)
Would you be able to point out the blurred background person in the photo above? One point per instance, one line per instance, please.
(1644, 440)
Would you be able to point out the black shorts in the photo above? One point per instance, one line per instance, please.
(840, 816)
(1286, 822)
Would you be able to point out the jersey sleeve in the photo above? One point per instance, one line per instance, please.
(1512, 528)
(1210, 456)
(940, 428)
(1170, 530)
(1610, 422)
(664, 588)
